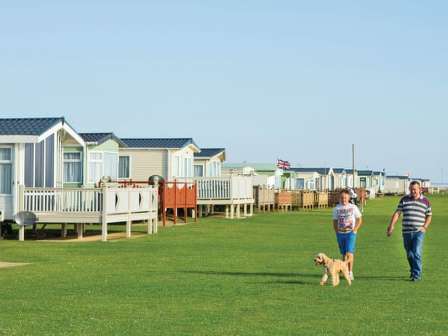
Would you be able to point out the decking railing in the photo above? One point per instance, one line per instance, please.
(59, 200)
(108, 200)
(109, 204)
(225, 188)
(173, 195)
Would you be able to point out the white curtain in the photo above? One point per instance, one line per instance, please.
(5, 178)
(214, 169)
(95, 167)
(209, 169)
(124, 167)
(95, 171)
(176, 167)
(198, 170)
(111, 165)
(188, 167)
(5, 170)
(72, 167)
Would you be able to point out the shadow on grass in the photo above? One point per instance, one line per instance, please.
(293, 275)
(265, 274)
(291, 282)
(381, 278)
(252, 274)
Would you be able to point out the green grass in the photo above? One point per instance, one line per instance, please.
(221, 277)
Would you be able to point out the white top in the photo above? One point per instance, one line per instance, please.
(353, 193)
(346, 216)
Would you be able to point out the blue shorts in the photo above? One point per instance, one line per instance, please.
(346, 242)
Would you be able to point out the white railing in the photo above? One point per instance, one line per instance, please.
(59, 200)
(131, 200)
(113, 200)
(224, 188)
(109, 204)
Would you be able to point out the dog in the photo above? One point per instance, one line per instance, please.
(332, 267)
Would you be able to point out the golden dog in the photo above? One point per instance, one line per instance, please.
(332, 267)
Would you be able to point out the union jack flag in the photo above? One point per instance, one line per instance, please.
(282, 164)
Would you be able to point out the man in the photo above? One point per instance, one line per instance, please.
(347, 220)
(417, 216)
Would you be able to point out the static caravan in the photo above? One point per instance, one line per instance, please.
(31, 155)
(171, 158)
(396, 184)
(425, 183)
(350, 183)
(373, 181)
(102, 153)
(265, 174)
(321, 179)
(305, 179)
(208, 162)
(341, 178)
(378, 181)
(364, 179)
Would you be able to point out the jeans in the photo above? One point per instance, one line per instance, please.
(413, 244)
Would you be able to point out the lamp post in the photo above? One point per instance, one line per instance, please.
(353, 165)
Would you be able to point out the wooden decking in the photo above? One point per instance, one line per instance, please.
(110, 204)
(264, 198)
(234, 193)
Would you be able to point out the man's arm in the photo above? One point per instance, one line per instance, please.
(392, 223)
(427, 223)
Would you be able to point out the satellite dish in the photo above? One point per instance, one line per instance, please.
(25, 218)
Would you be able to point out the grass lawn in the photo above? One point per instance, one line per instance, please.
(222, 277)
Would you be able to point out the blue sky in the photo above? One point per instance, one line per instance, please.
(298, 80)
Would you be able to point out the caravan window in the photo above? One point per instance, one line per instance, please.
(214, 169)
(182, 167)
(72, 167)
(310, 185)
(124, 167)
(300, 183)
(111, 165)
(185, 170)
(188, 167)
(198, 170)
(103, 164)
(5, 170)
(95, 167)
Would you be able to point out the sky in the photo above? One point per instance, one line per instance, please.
(296, 80)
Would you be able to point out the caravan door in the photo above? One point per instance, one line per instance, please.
(6, 177)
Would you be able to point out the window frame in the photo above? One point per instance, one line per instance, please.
(100, 161)
(72, 161)
(116, 157)
(129, 167)
(10, 163)
(201, 168)
(90, 161)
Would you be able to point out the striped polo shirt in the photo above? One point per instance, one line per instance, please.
(414, 212)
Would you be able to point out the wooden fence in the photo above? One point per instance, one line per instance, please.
(264, 198)
(283, 200)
